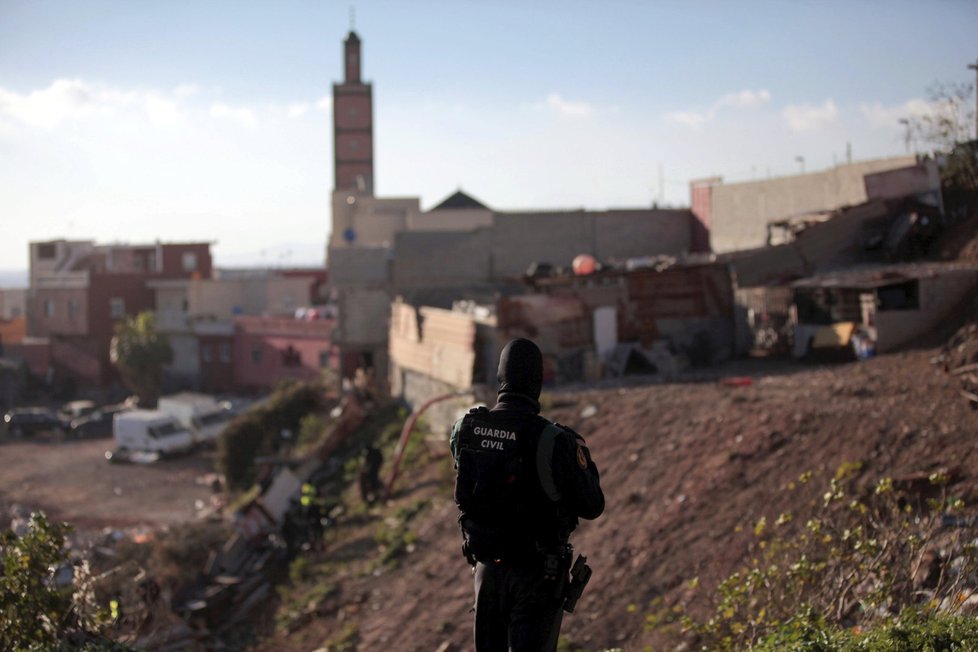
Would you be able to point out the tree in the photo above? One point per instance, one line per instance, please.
(947, 128)
(140, 353)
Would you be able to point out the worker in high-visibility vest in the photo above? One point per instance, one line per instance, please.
(115, 609)
(312, 515)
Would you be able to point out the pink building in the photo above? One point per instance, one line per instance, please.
(268, 350)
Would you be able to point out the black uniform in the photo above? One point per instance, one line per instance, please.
(521, 485)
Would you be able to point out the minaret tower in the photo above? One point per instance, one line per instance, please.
(353, 125)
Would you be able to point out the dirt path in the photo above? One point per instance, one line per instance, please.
(72, 481)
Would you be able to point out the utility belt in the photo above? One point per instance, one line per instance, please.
(555, 568)
(556, 565)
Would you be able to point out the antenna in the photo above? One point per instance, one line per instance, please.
(353, 18)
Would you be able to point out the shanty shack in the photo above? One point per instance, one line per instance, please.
(607, 323)
(878, 309)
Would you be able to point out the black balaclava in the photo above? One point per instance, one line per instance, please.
(521, 370)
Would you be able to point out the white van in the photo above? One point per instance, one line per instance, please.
(150, 431)
(203, 416)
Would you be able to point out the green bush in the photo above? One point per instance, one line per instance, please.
(913, 631)
(36, 613)
(259, 431)
(856, 563)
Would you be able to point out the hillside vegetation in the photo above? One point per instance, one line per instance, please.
(689, 471)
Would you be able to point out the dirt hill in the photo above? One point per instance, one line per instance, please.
(683, 465)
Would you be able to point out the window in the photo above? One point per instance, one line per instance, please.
(291, 357)
(189, 260)
(48, 308)
(256, 355)
(904, 296)
(72, 308)
(213, 418)
(225, 352)
(46, 250)
(324, 359)
(207, 353)
(117, 308)
(163, 429)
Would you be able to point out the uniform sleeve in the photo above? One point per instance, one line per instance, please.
(576, 476)
(453, 439)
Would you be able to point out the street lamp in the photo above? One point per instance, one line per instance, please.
(801, 163)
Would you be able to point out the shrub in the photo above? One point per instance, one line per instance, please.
(35, 612)
(874, 559)
(259, 431)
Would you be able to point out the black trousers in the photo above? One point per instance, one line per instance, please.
(516, 610)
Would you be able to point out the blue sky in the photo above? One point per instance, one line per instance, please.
(179, 120)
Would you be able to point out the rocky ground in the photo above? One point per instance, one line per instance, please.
(73, 482)
(683, 465)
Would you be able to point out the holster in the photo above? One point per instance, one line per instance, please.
(580, 575)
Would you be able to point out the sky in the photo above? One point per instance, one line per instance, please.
(210, 120)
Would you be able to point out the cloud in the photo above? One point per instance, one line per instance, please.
(807, 117)
(297, 109)
(64, 99)
(564, 107)
(68, 100)
(880, 116)
(746, 99)
(161, 111)
(244, 116)
(689, 118)
(186, 90)
(74, 99)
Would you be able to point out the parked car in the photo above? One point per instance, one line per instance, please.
(96, 424)
(75, 410)
(30, 420)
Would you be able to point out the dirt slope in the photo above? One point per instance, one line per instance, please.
(682, 466)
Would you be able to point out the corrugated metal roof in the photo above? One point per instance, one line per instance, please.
(873, 276)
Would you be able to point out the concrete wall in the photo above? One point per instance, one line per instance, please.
(363, 315)
(519, 239)
(741, 211)
(450, 219)
(938, 296)
(225, 299)
(373, 220)
(442, 259)
(416, 388)
(923, 179)
(436, 343)
(359, 266)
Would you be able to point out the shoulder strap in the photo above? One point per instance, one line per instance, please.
(545, 455)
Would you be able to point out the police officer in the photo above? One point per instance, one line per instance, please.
(521, 485)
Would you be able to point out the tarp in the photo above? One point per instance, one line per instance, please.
(833, 336)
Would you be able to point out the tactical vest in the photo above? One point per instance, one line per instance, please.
(508, 501)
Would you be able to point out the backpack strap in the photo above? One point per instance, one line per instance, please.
(545, 455)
